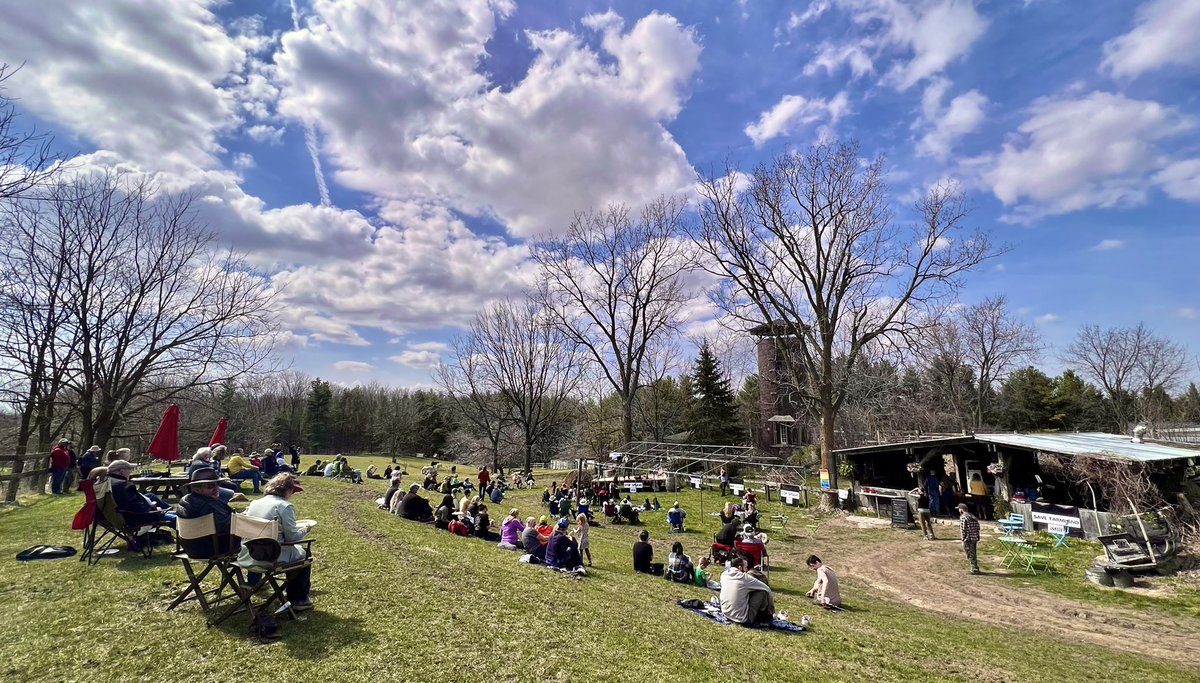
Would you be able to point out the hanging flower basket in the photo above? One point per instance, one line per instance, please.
(995, 469)
(913, 468)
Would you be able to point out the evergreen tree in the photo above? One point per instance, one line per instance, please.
(1188, 404)
(316, 416)
(1078, 405)
(1027, 400)
(713, 418)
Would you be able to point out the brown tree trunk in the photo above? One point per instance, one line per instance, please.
(829, 499)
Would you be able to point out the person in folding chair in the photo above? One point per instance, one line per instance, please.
(675, 517)
(134, 506)
(203, 498)
(276, 504)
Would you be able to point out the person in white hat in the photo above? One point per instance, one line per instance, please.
(135, 506)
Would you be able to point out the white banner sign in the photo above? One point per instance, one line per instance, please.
(695, 481)
(1063, 520)
(737, 489)
(789, 497)
(633, 486)
(1056, 529)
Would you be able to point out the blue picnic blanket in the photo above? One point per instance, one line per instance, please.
(713, 613)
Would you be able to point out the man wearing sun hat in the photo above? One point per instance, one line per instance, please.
(203, 498)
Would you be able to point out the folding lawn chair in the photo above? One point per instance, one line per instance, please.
(108, 526)
(755, 554)
(263, 535)
(1013, 525)
(720, 553)
(779, 521)
(198, 542)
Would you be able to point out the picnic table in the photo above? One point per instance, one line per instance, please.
(170, 488)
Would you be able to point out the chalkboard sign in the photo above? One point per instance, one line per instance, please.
(900, 512)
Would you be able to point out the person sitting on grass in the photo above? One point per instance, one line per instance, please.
(628, 512)
(496, 495)
(533, 541)
(444, 512)
(414, 507)
(387, 472)
(745, 599)
(393, 490)
(643, 556)
(751, 516)
(373, 472)
(483, 525)
(561, 550)
(679, 565)
(458, 528)
(700, 577)
(580, 533)
(825, 590)
(317, 469)
(544, 527)
(510, 530)
(330, 468)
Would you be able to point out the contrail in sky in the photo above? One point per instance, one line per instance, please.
(310, 134)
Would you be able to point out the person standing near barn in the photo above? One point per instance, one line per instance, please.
(934, 489)
(969, 526)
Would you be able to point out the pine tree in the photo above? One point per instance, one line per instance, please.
(316, 415)
(713, 418)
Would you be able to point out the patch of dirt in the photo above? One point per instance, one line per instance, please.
(932, 575)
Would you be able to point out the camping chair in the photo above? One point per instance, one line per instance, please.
(263, 533)
(197, 541)
(779, 521)
(755, 554)
(611, 513)
(720, 553)
(108, 526)
(675, 519)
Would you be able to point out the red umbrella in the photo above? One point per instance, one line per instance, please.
(165, 445)
(219, 434)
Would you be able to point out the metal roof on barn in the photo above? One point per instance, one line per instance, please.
(1095, 444)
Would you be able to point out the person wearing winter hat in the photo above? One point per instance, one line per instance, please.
(561, 550)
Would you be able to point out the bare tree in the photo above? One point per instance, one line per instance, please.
(155, 309)
(26, 162)
(517, 352)
(995, 343)
(943, 347)
(462, 378)
(1127, 363)
(811, 250)
(614, 284)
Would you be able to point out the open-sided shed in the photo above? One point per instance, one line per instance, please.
(1055, 479)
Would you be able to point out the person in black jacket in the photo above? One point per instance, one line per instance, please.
(643, 556)
(728, 534)
(134, 506)
(414, 507)
(204, 498)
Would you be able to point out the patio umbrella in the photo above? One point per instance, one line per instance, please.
(219, 434)
(165, 445)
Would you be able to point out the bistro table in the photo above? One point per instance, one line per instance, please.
(170, 488)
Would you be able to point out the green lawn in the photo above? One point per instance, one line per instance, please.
(402, 601)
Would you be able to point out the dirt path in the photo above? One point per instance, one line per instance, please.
(932, 576)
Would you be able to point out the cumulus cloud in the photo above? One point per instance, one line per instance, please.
(243, 161)
(264, 133)
(793, 112)
(1181, 179)
(1093, 150)
(417, 359)
(919, 40)
(353, 366)
(1165, 32)
(945, 127)
(584, 127)
(1108, 245)
(157, 83)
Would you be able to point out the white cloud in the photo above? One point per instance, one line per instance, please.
(1046, 319)
(264, 133)
(1165, 32)
(353, 366)
(1108, 245)
(1181, 180)
(417, 359)
(961, 117)
(155, 82)
(451, 137)
(243, 161)
(815, 9)
(793, 112)
(919, 39)
(429, 346)
(1188, 313)
(1094, 150)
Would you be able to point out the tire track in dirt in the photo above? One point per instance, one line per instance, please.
(933, 577)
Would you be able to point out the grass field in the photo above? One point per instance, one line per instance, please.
(401, 601)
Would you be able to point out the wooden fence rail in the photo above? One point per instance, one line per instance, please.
(18, 472)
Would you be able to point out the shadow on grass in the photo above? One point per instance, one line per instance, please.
(312, 637)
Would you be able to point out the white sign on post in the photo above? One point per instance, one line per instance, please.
(737, 489)
(633, 486)
(789, 497)
(1056, 529)
(695, 481)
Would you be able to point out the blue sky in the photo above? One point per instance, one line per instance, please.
(450, 131)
